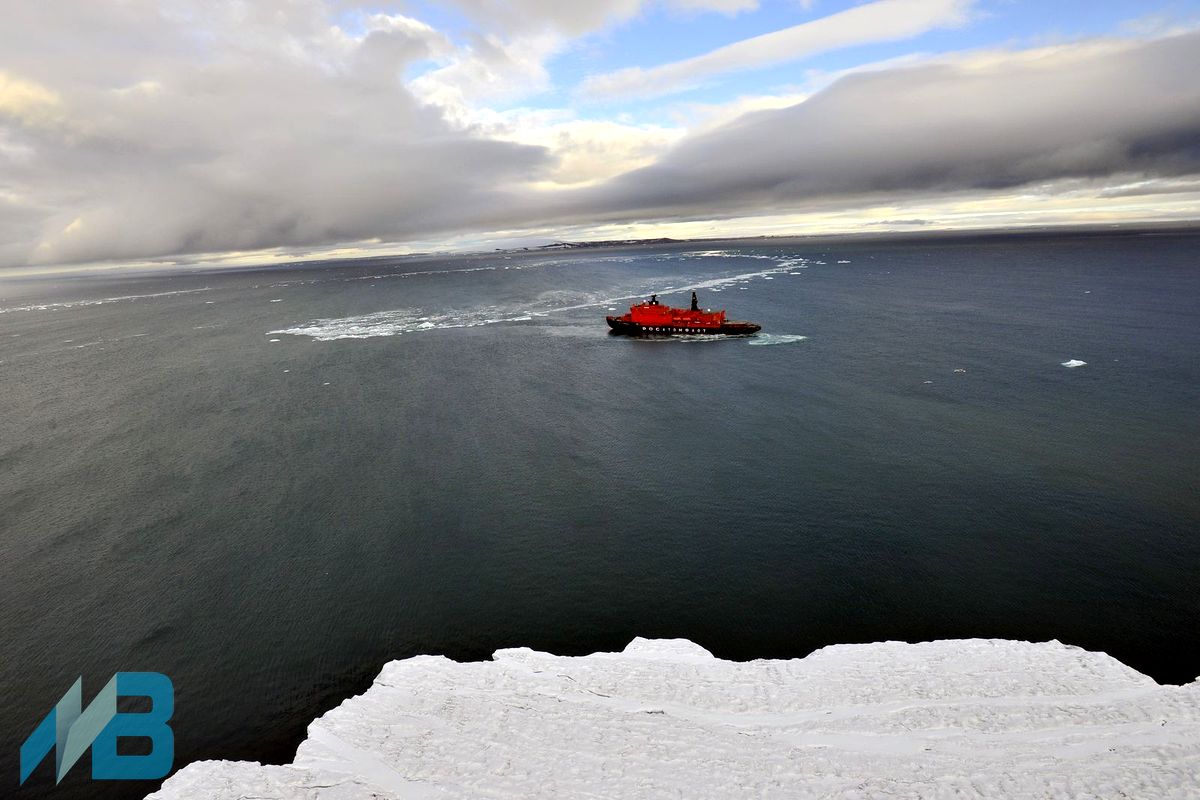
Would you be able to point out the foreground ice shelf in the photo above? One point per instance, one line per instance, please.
(664, 718)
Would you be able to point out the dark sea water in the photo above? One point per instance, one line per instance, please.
(269, 522)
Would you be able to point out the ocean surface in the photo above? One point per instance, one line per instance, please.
(267, 483)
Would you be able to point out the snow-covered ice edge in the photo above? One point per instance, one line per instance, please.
(664, 718)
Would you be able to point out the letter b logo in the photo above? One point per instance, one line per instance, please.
(70, 732)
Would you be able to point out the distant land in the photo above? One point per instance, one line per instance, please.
(1139, 228)
(1038, 231)
(599, 243)
(202, 265)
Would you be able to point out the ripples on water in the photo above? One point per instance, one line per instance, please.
(265, 484)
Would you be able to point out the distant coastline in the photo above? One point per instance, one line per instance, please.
(1028, 231)
(205, 263)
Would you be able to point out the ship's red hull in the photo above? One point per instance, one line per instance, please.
(655, 319)
(622, 325)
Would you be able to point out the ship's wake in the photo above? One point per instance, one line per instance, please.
(776, 338)
(398, 321)
(414, 320)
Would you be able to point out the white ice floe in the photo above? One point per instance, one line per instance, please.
(967, 718)
(716, 254)
(1073, 363)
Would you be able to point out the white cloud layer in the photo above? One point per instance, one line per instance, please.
(155, 130)
(575, 17)
(879, 21)
(981, 122)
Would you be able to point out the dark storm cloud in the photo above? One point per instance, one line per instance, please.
(985, 122)
(229, 127)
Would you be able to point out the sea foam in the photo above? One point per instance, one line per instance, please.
(99, 301)
(762, 339)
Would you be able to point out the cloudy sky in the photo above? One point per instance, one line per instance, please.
(135, 131)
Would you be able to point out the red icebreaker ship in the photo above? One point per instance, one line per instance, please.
(653, 318)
